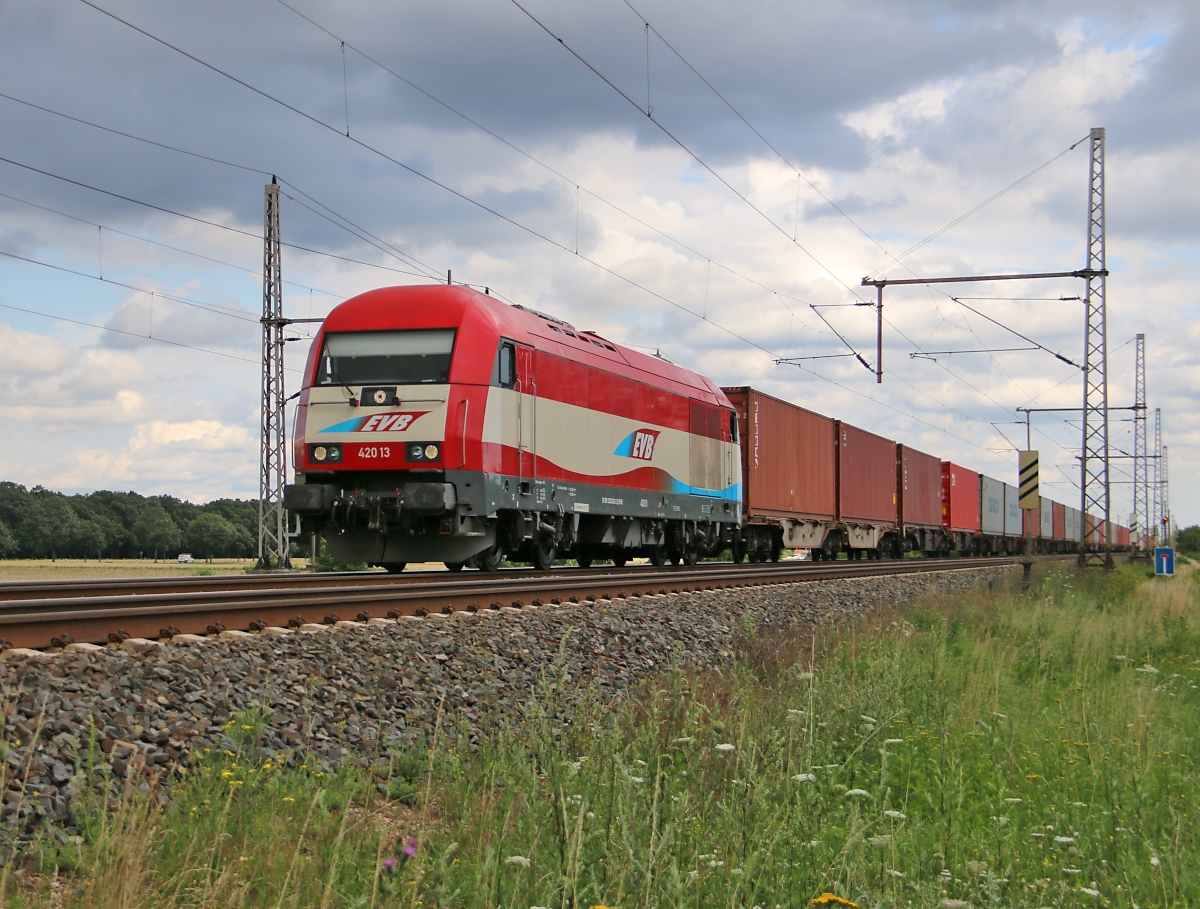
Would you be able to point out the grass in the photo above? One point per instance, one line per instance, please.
(1005, 748)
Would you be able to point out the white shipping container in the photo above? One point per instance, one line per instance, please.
(1047, 519)
(1012, 512)
(991, 506)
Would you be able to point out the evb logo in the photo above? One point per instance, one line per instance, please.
(639, 444)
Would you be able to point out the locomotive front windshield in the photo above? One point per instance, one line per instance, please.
(394, 357)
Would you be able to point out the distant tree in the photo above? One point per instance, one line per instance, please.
(8, 542)
(211, 533)
(50, 525)
(155, 530)
(1188, 540)
(92, 537)
(14, 505)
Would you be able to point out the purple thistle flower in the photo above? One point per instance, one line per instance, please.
(410, 848)
(389, 863)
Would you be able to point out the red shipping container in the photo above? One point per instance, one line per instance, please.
(1060, 521)
(867, 477)
(920, 488)
(789, 458)
(960, 498)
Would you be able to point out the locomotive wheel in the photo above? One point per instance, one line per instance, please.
(737, 552)
(490, 559)
(543, 555)
(776, 552)
(690, 556)
(658, 556)
(619, 561)
(455, 566)
(394, 567)
(673, 558)
(584, 561)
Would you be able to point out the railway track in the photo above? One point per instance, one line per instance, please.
(39, 616)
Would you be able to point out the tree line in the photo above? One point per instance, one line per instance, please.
(40, 523)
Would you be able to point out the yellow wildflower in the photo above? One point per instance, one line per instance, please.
(831, 899)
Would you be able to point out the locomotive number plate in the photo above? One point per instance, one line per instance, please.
(374, 451)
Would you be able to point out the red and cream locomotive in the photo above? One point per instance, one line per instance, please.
(441, 424)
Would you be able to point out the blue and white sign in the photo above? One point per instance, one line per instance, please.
(1164, 561)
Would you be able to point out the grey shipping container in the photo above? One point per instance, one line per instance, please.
(1012, 511)
(991, 506)
(1047, 519)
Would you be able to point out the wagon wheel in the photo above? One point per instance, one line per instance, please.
(489, 560)
(658, 556)
(543, 555)
(394, 567)
(584, 561)
(690, 556)
(619, 561)
(737, 552)
(454, 566)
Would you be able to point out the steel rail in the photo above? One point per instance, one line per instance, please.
(57, 621)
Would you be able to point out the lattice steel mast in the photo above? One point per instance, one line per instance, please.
(1141, 483)
(1168, 530)
(1156, 515)
(272, 520)
(1094, 492)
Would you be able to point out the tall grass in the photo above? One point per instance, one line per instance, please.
(1005, 748)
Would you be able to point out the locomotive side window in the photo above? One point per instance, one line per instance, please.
(733, 426)
(505, 373)
(400, 357)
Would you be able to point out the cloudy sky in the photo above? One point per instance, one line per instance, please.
(790, 149)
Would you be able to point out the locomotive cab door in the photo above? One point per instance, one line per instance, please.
(526, 406)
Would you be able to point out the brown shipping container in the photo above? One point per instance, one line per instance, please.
(920, 488)
(867, 477)
(789, 454)
(960, 498)
(1060, 521)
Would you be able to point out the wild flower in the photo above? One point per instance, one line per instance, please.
(520, 860)
(639, 763)
(1089, 891)
(869, 719)
(893, 741)
(682, 740)
(880, 842)
(637, 779)
(726, 746)
(1148, 669)
(797, 713)
(1155, 861)
(288, 798)
(1072, 871)
(954, 904)
(410, 848)
(803, 778)
(895, 815)
(804, 677)
(1000, 821)
(389, 864)
(1014, 801)
(1064, 840)
(858, 794)
(831, 899)
(894, 873)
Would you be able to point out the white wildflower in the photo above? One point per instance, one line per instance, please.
(726, 746)
(895, 815)
(1065, 840)
(804, 676)
(813, 844)
(717, 864)
(1000, 821)
(893, 741)
(1089, 891)
(518, 860)
(798, 712)
(1155, 861)
(1001, 715)
(894, 873)
(858, 794)
(1039, 835)
(737, 871)
(1079, 804)
(591, 815)
(1148, 669)
(1073, 871)
(637, 779)
(1014, 801)
(947, 873)
(954, 904)
(639, 762)
(576, 766)
(1120, 656)
(880, 842)
(803, 778)
(706, 857)
(682, 740)
(869, 719)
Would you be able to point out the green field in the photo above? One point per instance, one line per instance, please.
(1008, 748)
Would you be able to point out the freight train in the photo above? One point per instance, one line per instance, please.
(436, 423)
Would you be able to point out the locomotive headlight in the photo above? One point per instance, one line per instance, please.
(431, 452)
(419, 452)
(325, 454)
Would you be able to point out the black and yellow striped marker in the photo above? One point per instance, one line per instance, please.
(1028, 479)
